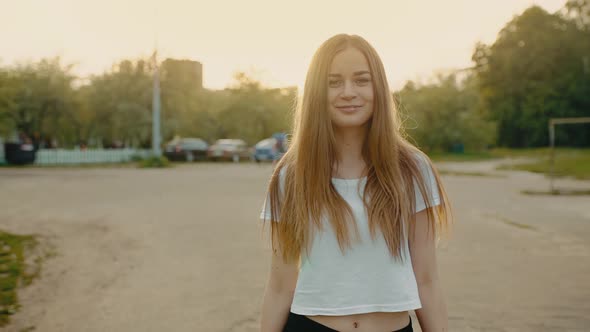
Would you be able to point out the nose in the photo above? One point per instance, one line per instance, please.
(348, 92)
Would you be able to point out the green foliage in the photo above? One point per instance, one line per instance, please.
(37, 99)
(253, 112)
(537, 69)
(12, 272)
(246, 110)
(568, 162)
(455, 157)
(119, 105)
(443, 114)
(579, 12)
(136, 158)
(155, 162)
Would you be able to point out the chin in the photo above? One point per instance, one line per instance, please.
(350, 122)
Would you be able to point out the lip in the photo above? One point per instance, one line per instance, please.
(349, 108)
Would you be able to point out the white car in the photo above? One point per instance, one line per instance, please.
(228, 149)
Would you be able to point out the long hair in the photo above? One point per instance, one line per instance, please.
(308, 195)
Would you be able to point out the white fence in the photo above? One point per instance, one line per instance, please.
(77, 156)
(88, 156)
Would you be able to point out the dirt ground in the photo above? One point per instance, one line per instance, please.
(181, 249)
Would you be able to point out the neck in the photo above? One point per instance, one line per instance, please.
(349, 148)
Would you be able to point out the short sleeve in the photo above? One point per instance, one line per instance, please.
(430, 183)
(265, 210)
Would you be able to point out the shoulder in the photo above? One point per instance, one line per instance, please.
(425, 182)
(281, 173)
(278, 178)
(421, 161)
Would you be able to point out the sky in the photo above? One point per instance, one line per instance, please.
(272, 40)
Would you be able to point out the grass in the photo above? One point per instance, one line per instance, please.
(457, 173)
(573, 162)
(467, 156)
(568, 162)
(14, 272)
(557, 192)
(532, 152)
(155, 162)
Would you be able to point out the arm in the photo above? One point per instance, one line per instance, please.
(433, 314)
(278, 294)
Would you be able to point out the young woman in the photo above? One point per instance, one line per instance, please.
(354, 208)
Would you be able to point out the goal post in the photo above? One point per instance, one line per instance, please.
(552, 123)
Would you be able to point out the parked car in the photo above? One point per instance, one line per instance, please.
(266, 150)
(187, 149)
(229, 149)
(271, 149)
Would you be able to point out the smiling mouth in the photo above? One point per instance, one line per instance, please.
(348, 109)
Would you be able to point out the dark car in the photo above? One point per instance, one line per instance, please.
(186, 149)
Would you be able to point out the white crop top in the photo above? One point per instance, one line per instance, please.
(366, 278)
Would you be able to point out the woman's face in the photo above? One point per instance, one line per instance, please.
(350, 89)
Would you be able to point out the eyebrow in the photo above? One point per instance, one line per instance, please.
(356, 73)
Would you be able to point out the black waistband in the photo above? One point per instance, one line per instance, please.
(299, 323)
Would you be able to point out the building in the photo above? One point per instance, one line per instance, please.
(182, 73)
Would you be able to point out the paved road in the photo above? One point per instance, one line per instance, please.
(181, 249)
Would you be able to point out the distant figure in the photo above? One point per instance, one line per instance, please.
(354, 208)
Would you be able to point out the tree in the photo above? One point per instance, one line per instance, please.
(534, 71)
(34, 97)
(120, 104)
(254, 112)
(578, 11)
(440, 115)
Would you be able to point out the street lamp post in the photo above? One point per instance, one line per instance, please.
(156, 138)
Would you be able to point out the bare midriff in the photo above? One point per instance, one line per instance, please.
(369, 322)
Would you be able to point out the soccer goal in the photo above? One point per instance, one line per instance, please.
(552, 124)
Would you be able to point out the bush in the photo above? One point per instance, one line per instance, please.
(136, 157)
(155, 161)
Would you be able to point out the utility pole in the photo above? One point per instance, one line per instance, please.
(156, 138)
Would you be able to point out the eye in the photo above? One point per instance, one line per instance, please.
(334, 83)
(363, 81)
